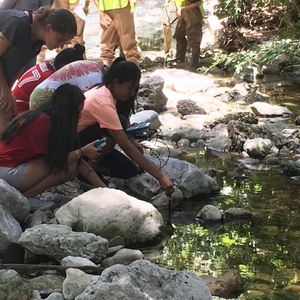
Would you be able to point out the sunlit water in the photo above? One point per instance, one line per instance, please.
(266, 248)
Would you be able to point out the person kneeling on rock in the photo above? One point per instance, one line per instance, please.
(39, 148)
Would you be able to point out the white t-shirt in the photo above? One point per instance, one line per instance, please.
(82, 73)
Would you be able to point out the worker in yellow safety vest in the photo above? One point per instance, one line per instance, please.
(188, 31)
(117, 28)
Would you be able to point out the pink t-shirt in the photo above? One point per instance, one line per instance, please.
(99, 107)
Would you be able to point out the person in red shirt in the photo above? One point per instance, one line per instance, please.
(38, 73)
(39, 148)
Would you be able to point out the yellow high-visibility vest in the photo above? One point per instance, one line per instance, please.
(112, 4)
(178, 3)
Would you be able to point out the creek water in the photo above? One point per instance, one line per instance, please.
(265, 249)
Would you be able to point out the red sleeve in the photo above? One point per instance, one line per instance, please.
(30, 79)
(38, 133)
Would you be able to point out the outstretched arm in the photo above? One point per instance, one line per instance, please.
(121, 138)
(188, 7)
(89, 173)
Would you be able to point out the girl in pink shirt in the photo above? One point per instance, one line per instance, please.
(100, 117)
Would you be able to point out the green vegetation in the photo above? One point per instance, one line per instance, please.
(283, 12)
(283, 50)
(258, 32)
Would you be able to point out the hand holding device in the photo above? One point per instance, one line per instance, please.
(100, 143)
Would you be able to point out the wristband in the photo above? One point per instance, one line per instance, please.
(78, 154)
(81, 152)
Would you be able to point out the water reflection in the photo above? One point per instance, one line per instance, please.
(264, 249)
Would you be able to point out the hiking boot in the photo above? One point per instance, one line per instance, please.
(39, 203)
(194, 65)
(178, 64)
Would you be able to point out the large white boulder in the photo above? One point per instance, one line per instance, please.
(109, 213)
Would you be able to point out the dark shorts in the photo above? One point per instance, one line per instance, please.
(120, 165)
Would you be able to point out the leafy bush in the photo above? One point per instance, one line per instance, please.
(261, 54)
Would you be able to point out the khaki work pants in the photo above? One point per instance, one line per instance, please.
(120, 32)
(79, 38)
(188, 32)
(61, 4)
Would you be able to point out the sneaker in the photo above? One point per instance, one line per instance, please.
(38, 203)
(58, 199)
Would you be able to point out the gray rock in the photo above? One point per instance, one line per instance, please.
(150, 95)
(237, 213)
(13, 286)
(14, 201)
(265, 109)
(143, 280)
(146, 116)
(48, 283)
(221, 143)
(290, 168)
(59, 241)
(10, 229)
(75, 283)
(210, 213)
(189, 179)
(73, 262)
(55, 296)
(189, 107)
(259, 148)
(123, 256)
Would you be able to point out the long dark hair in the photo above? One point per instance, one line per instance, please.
(69, 55)
(124, 71)
(63, 109)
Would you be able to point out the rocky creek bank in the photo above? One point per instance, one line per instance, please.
(103, 231)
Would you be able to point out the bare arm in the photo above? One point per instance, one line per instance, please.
(136, 144)
(188, 7)
(103, 14)
(89, 173)
(7, 101)
(89, 150)
(121, 138)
